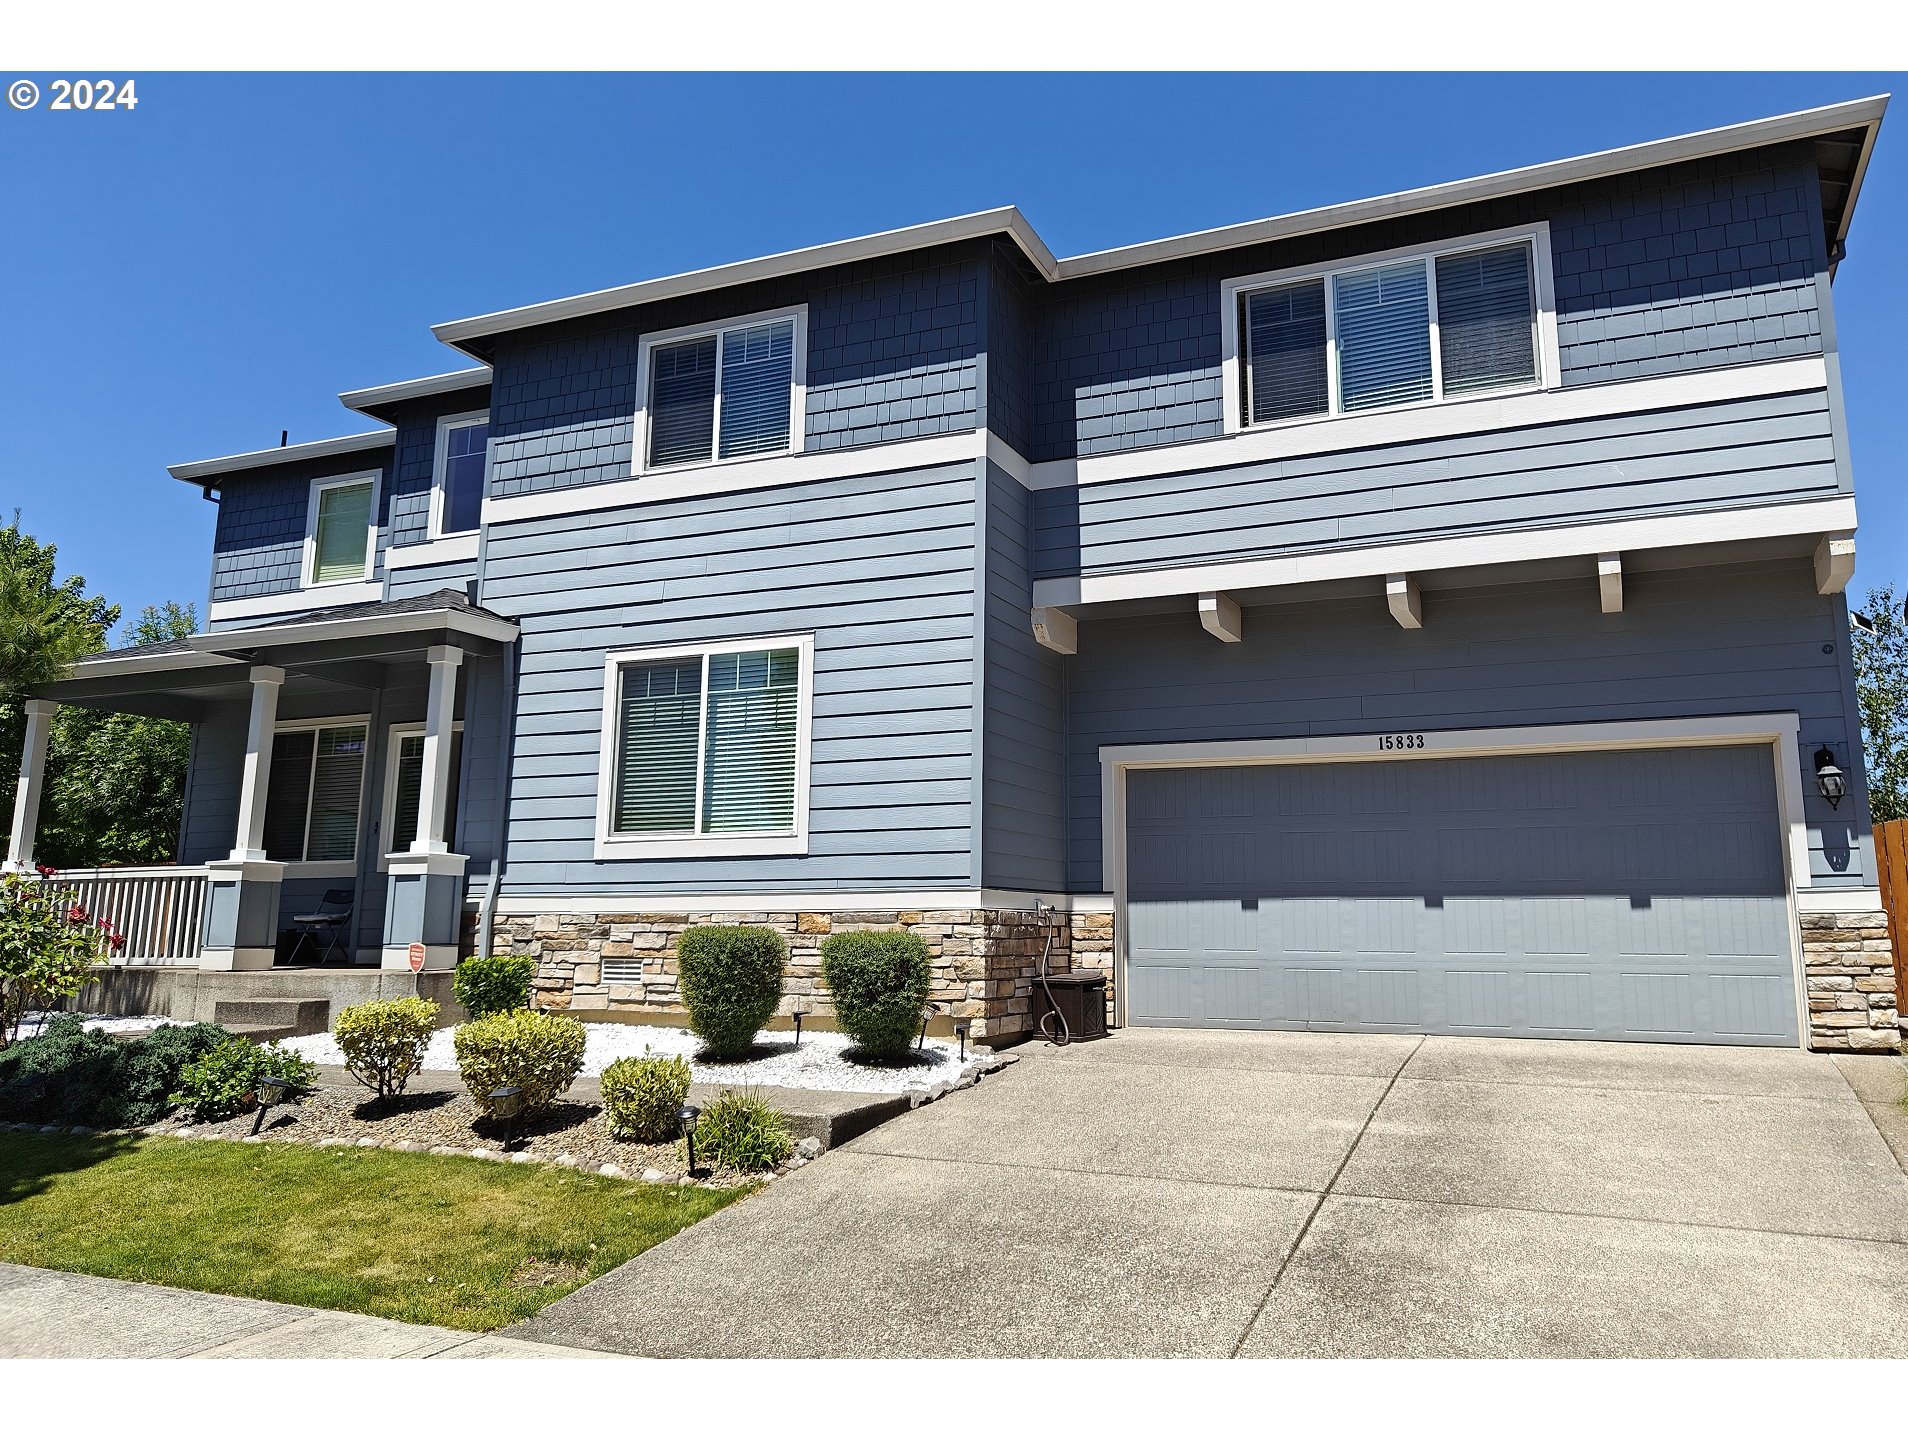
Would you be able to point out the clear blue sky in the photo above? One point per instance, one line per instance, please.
(185, 280)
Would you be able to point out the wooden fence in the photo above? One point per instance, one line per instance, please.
(1891, 869)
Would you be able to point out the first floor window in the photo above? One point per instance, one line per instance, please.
(707, 743)
(722, 395)
(407, 788)
(311, 805)
(342, 530)
(462, 445)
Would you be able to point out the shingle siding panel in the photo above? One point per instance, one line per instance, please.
(258, 543)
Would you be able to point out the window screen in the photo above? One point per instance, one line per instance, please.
(1285, 352)
(1384, 336)
(1486, 320)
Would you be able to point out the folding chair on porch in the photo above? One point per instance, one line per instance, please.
(332, 918)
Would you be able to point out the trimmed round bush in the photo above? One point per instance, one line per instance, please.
(880, 983)
(494, 985)
(643, 1097)
(222, 1082)
(731, 979)
(539, 1053)
(743, 1131)
(383, 1042)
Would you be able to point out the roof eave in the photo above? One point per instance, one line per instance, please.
(205, 473)
(371, 400)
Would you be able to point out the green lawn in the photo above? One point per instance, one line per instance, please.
(444, 1240)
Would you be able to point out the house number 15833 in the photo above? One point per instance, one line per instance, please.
(1401, 742)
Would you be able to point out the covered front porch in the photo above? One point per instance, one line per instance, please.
(342, 783)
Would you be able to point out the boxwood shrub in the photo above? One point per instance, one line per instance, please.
(880, 983)
(494, 985)
(539, 1053)
(731, 979)
(384, 1041)
(643, 1097)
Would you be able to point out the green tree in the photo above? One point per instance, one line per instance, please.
(1881, 685)
(45, 625)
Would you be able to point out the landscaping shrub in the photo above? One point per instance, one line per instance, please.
(63, 1075)
(383, 1042)
(49, 949)
(731, 978)
(880, 983)
(494, 985)
(539, 1053)
(643, 1097)
(222, 1082)
(743, 1131)
(153, 1067)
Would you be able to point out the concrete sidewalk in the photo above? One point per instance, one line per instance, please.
(63, 1314)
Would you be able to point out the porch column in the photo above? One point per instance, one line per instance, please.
(26, 795)
(424, 902)
(434, 785)
(241, 897)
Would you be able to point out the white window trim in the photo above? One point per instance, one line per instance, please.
(328, 869)
(1232, 356)
(309, 571)
(440, 462)
(676, 844)
(387, 804)
(798, 396)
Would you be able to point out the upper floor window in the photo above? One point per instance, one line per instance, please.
(341, 531)
(311, 802)
(1414, 327)
(706, 749)
(457, 491)
(712, 395)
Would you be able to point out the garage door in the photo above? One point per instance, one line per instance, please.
(1611, 894)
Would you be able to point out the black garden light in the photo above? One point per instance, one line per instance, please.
(1828, 777)
(961, 1027)
(798, 1015)
(926, 1014)
(506, 1106)
(271, 1093)
(688, 1118)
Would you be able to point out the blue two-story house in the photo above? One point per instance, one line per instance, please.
(1424, 613)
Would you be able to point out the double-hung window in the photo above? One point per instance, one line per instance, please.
(457, 495)
(341, 531)
(1416, 327)
(719, 394)
(311, 804)
(705, 749)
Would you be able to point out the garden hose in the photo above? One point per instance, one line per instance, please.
(1065, 1035)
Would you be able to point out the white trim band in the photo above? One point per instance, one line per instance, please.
(819, 901)
(305, 598)
(436, 552)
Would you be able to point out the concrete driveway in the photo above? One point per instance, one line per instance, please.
(1177, 1193)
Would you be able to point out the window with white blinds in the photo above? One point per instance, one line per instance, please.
(341, 531)
(312, 801)
(1419, 328)
(729, 393)
(708, 743)
(406, 787)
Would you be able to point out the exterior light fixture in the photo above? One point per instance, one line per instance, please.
(926, 1014)
(688, 1118)
(506, 1106)
(961, 1027)
(798, 1015)
(1828, 778)
(271, 1093)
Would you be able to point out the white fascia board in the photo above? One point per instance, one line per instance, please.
(1586, 539)
(297, 601)
(469, 623)
(1008, 221)
(362, 399)
(459, 547)
(133, 664)
(271, 456)
(1828, 119)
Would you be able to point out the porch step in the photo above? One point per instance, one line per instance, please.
(293, 1016)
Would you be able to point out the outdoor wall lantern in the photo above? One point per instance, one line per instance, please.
(1828, 778)
(506, 1106)
(961, 1027)
(688, 1118)
(271, 1093)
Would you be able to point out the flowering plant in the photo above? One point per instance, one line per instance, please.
(49, 944)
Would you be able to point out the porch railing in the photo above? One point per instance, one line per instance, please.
(159, 909)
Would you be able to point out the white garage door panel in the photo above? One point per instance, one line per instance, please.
(1610, 894)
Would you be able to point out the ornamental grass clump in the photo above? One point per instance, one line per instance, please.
(879, 982)
(538, 1053)
(222, 1082)
(643, 1097)
(743, 1131)
(384, 1041)
(731, 978)
(494, 985)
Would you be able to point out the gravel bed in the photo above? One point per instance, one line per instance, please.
(820, 1062)
(31, 1025)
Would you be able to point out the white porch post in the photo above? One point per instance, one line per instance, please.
(26, 795)
(250, 843)
(434, 784)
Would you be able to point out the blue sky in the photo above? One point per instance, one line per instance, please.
(186, 279)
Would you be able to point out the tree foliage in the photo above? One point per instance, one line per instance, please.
(1881, 685)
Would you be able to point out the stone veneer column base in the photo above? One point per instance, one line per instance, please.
(1849, 964)
(985, 961)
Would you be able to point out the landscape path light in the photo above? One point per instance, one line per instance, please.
(688, 1118)
(506, 1106)
(271, 1093)
(961, 1027)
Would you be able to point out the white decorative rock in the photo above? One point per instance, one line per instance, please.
(654, 1175)
(251, 1138)
(565, 1160)
(610, 1170)
(523, 1156)
(332, 1142)
(808, 1149)
(368, 1143)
